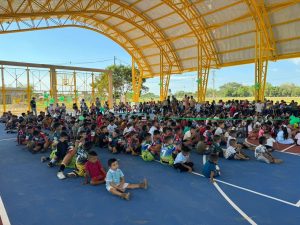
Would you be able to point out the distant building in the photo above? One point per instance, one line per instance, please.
(14, 95)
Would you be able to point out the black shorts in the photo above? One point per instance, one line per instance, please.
(231, 156)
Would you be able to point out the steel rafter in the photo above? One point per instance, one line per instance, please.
(112, 8)
(261, 18)
(189, 13)
(111, 33)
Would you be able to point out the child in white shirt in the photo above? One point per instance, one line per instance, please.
(233, 151)
(297, 138)
(270, 142)
(262, 154)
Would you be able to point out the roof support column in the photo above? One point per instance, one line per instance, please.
(28, 89)
(93, 88)
(202, 72)
(75, 88)
(3, 90)
(261, 65)
(110, 90)
(165, 72)
(53, 84)
(136, 82)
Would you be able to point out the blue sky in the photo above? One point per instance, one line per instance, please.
(80, 47)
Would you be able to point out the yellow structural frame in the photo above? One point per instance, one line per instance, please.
(137, 79)
(187, 11)
(265, 46)
(53, 80)
(37, 15)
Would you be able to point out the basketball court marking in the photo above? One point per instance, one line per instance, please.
(288, 148)
(8, 139)
(254, 192)
(290, 153)
(249, 190)
(241, 212)
(3, 215)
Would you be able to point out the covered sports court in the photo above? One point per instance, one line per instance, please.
(32, 194)
(164, 38)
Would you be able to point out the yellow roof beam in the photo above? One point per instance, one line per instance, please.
(109, 32)
(260, 15)
(222, 8)
(139, 21)
(189, 13)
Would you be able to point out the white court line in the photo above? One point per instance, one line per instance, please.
(3, 213)
(8, 139)
(249, 190)
(288, 148)
(234, 205)
(291, 153)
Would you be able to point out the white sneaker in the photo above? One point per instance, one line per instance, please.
(61, 175)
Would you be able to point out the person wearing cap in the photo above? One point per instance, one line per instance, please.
(33, 106)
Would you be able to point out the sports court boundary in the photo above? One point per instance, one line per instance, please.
(4, 220)
(283, 151)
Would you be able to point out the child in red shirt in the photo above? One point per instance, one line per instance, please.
(94, 170)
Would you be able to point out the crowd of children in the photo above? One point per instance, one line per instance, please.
(168, 135)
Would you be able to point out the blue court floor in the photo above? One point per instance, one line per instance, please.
(33, 195)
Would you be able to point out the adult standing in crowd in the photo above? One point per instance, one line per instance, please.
(33, 106)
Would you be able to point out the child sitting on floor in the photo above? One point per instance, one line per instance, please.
(81, 159)
(262, 154)
(270, 142)
(156, 144)
(167, 151)
(215, 147)
(145, 148)
(234, 151)
(182, 160)
(211, 168)
(94, 170)
(115, 181)
(60, 152)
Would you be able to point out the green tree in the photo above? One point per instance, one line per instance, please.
(122, 81)
(230, 89)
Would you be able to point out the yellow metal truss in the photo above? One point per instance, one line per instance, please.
(202, 73)
(165, 73)
(112, 8)
(82, 22)
(261, 66)
(265, 45)
(206, 49)
(136, 82)
(188, 12)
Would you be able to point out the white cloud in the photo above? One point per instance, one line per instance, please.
(295, 61)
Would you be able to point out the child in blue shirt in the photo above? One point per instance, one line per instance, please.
(211, 168)
(115, 181)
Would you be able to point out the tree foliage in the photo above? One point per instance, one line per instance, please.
(122, 81)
